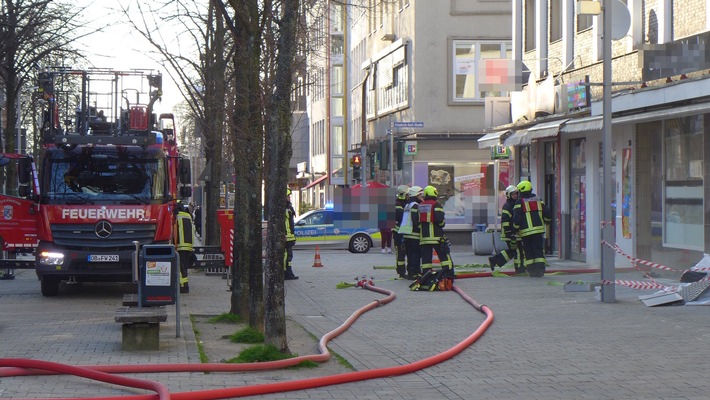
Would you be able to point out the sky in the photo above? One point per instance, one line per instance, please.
(119, 47)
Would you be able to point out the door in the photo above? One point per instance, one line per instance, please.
(311, 229)
(20, 212)
(550, 196)
(578, 198)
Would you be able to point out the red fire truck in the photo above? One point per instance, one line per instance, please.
(109, 174)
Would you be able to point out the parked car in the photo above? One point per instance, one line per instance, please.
(317, 227)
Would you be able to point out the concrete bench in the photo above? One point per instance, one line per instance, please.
(141, 326)
(130, 300)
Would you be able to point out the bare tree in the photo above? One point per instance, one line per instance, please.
(265, 43)
(278, 148)
(32, 34)
(201, 78)
(245, 23)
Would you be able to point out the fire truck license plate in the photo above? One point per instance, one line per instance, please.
(103, 258)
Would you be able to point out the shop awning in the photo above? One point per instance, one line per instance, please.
(586, 124)
(545, 129)
(317, 181)
(516, 138)
(655, 115)
(493, 139)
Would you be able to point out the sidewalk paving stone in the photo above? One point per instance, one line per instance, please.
(543, 344)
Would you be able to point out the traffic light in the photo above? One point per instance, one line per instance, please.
(357, 164)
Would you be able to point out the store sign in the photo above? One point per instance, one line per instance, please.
(410, 148)
(500, 153)
(577, 95)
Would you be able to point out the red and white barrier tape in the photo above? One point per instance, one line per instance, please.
(639, 284)
(635, 260)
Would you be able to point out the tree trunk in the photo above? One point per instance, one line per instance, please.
(248, 149)
(11, 89)
(279, 149)
(214, 126)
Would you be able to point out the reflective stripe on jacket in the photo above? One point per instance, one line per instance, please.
(432, 224)
(184, 232)
(398, 212)
(290, 213)
(506, 220)
(413, 210)
(530, 215)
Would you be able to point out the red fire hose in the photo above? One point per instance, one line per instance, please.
(17, 367)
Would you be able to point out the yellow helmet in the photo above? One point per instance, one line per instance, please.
(525, 186)
(402, 191)
(430, 191)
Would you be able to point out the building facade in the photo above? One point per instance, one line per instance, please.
(659, 110)
(412, 108)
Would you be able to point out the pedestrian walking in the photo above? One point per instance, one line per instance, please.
(197, 215)
(290, 238)
(399, 247)
(432, 221)
(509, 237)
(530, 215)
(409, 229)
(184, 237)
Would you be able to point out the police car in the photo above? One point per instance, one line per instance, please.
(317, 227)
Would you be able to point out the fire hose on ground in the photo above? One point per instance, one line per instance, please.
(106, 373)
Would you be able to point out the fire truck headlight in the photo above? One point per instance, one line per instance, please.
(49, 258)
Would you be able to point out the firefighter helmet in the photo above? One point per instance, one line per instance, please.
(525, 186)
(288, 191)
(415, 191)
(430, 191)
(510, 190)
(402, 191)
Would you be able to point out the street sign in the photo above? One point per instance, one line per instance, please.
(415, 124)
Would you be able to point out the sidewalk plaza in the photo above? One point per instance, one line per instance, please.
(544, 343)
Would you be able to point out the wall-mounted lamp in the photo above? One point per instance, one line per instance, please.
(589, 7)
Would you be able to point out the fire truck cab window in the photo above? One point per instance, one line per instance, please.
(111, 179)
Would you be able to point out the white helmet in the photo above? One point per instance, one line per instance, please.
(510, 190)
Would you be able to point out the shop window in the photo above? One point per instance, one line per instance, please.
(683, 192)
(470, 192)
(524, 164)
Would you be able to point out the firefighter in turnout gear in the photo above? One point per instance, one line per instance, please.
(432, 222)
(530, 215)
(399, 247)
(409, 229)
(290, 238)
(514, 250)
(184, 231)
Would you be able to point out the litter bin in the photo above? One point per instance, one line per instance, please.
(159, 272)
(482, 243)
